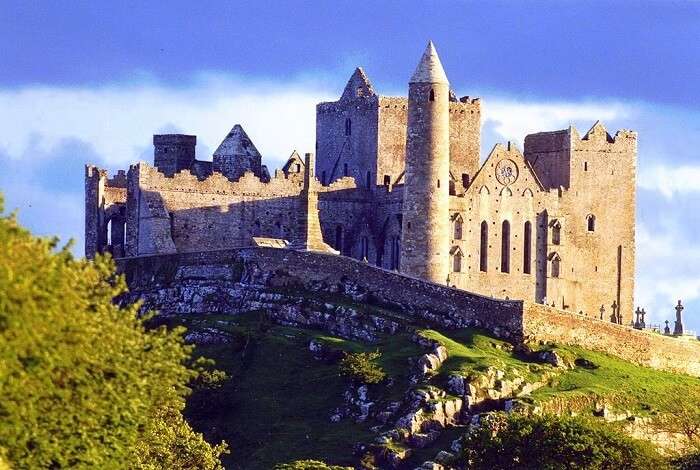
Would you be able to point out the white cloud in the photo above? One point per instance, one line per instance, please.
(119, 120)
(669, 180)
(667, 270)
(513, 119)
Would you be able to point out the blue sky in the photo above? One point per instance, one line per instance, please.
(91, 82)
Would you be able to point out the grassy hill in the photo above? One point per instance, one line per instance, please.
(276, 403)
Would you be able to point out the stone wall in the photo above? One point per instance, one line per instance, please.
(222, 281)
(347, 297)
(640, 347)
(214, 213)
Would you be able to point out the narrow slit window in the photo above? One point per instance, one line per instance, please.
(458, 228)
(457, 262)
(505, 247)
(432, 95)
(348, 126)
(484, 245)
(527, 247)
(591, 223)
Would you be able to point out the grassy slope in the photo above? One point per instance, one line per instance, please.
(638, 389)
(276, 406)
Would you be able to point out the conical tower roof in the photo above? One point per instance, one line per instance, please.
(429, 68)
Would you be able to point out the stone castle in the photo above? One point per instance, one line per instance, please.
(397, 182)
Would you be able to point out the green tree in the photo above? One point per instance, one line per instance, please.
(308, 465)
(362, 367)
(681, 416)
(549, 442)
(83, 383)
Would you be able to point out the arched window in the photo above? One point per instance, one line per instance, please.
(483, 249)
(505, 247)
(591, 222)
(458, 227)
(556, 264)
(432, 95)
(527, 247)
(369, 180)
(339, 237)
(345, 169)
(556, 233)
(457, 261)
(109, 232)
(348, 126)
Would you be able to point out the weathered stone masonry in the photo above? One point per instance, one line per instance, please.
(294, 287)
(552, 224)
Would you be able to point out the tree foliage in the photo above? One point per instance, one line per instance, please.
(549, 442)
(362, 367)
(681, 416)
(308, 465)
(83, 383)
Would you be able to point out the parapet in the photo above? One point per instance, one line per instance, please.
(173, 152)
(174, 139)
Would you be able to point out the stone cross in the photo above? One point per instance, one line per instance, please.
(667, 330)
(602, 311)
(638, 314)
(642, 323)
(678, 327)
(615, 318)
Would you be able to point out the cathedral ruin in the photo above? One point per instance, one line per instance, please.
(397, 182)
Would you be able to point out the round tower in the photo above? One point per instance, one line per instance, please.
(426, 213)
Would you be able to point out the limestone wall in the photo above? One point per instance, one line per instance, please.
(181, 283)
(215, 213)
(236, 280)
(640, 347)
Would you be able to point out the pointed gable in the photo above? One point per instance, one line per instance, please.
(506, 170)
(598, 133)
(236, 155)
(358, 86)
(295, 164)
(237, 144)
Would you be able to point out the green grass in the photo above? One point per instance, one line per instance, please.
(622, 384)
(276, 405)
(619, 383)
(472, 352)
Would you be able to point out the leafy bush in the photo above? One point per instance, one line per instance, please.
(83, 383)
(520, 442)
(362, 367)
(309, 465)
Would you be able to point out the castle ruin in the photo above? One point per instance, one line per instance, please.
(397, 182)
